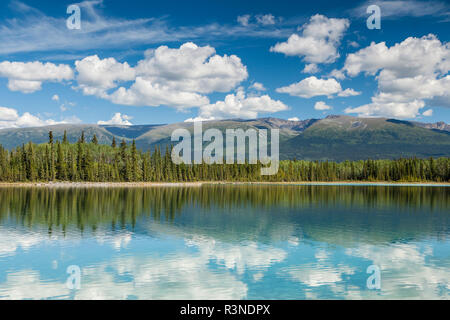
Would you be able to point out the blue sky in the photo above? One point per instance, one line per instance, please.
(146, 62)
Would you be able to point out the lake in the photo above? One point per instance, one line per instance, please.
(225, 242)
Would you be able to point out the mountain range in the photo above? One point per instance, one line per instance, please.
(336, 138)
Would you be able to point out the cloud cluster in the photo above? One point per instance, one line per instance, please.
(244, 20)
(410, 75)
(177, 77)
(266, 19)
(349, 93)
(95, 76)
(192, 68)
(118, 119)
(257, 87)
(313, 87)
(10, 118)
(311, 68)
(239, 105)
(261, 19)
(318, 42)
(322, 106)
(28, 77)
(145, 93)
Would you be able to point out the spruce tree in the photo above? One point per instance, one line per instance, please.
(86, 166)
(82, 138)
(134, 162)
(52, 157)
(124, 161)
(79, 160)
(60, 163)
(30, 163)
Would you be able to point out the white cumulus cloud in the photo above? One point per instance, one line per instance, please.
(349, 93)
(145, 93)
(8, 114)
(321, 106)
(24, 86)
(313, 87)
(27, 77)
(410, 74)
(96, 76)
(239, 105)
(192, 68)
(311, 68)
(258, 86)
(10, 118)
(428, 113)
(177, 77)
(118, 119)
(318, 42)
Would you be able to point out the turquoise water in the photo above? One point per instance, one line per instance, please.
(225, 242)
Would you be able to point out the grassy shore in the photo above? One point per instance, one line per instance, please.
(199, 184)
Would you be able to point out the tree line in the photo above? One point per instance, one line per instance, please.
(88, 161)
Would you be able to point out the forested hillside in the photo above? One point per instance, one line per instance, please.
(335, 138)
(122, 162)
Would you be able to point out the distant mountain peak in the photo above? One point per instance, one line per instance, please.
(336, 116)
(336, 137)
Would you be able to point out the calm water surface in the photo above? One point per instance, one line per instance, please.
(225, 242)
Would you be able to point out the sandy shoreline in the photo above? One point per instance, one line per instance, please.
(200, 184)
